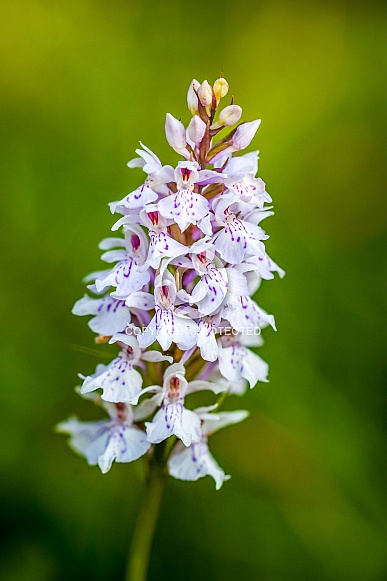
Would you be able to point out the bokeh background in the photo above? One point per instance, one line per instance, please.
(81, 82)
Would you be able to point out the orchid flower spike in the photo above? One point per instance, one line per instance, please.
(174, 300)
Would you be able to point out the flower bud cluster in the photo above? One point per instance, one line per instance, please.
(190, 254)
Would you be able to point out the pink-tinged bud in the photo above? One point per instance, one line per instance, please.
(244, 134)
(205, 94)
(192, 100)
(237, 139)
(228, 116)
(196, 129)
(175, 133)
(220, 88)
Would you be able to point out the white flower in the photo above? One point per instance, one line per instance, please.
(148, 161)
(167, 325)
(210, 291)
(237, 238)
(242, 183)
(186, 206)
(161, 244)
(119, 380)
(173, 418)
(135, 200)
(263, 266)
(196, 461)
(149, 191)
(110, 315)
(206, 340)
(236, 362)
(127, 276)
(245, 315)
(104, 441)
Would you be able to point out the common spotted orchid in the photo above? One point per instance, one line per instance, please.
(175, 302)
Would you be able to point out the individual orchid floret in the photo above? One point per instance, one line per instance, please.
(237, 238)
(176, 137)
(149, 191)
(242, 183)
(186, 206)
(120, 381)
(173, 418)
(228, 116)
(114, 439)
(263, 266)
(237, 362)
(244, 313)
(196, 461)
(136, 200)
(161, 244)
(110, 315)
(147, 160)
(206, 341)
(220, 88)
(192, 98)
(167, 325)
(129, 274)
(210, 291)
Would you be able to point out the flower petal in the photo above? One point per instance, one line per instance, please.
(185, 208)
(195, 462)
(125, 444)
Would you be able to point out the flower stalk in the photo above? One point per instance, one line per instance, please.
(146, 523)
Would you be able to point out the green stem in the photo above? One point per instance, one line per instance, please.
(147, 519)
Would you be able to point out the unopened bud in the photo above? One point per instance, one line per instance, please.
(220, 88)
(228, 116)
(192, 100)
(244, 134)
(238, 139)
(205, 94)
(196, 129)
(175, 133)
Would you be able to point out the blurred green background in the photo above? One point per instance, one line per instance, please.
(81, 83)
